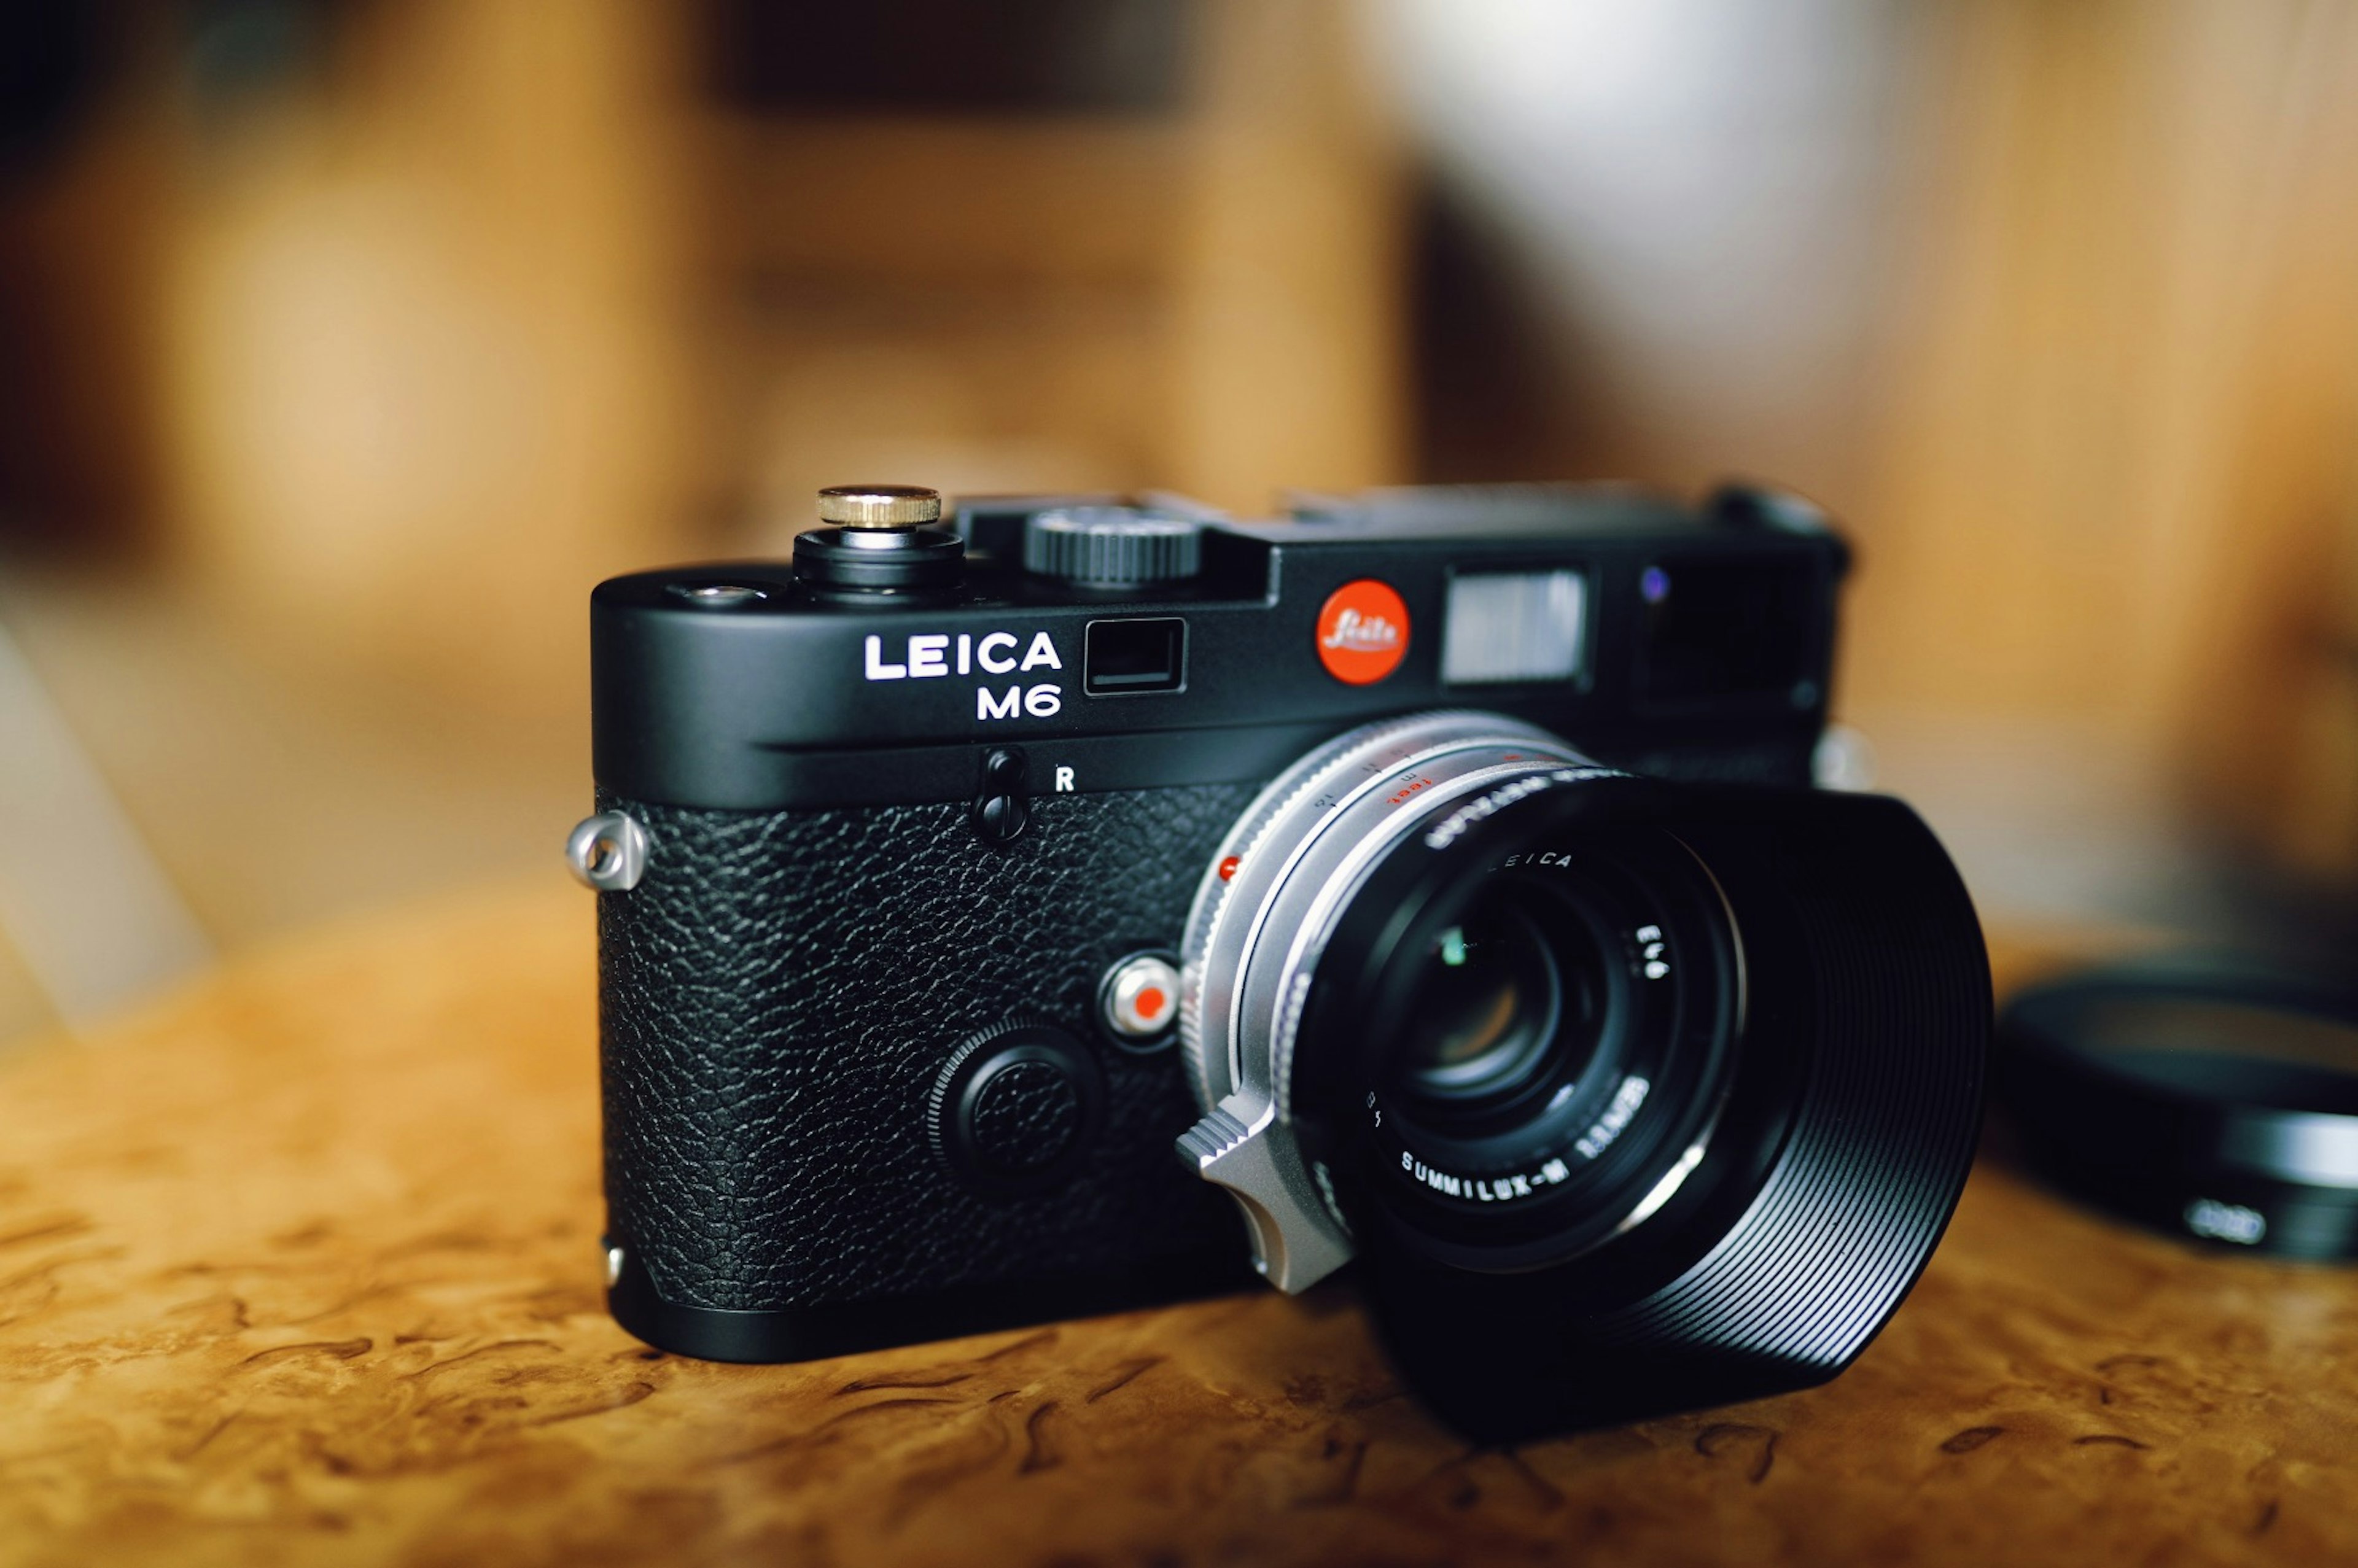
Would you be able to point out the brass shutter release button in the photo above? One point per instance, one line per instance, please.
(882, 544)
(867, 506)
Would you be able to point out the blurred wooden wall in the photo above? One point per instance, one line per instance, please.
(2055, 302)
(344, 344)
(487, 300)
(1202, 293)
(2119, 478)
(393, 360)
(423, 365)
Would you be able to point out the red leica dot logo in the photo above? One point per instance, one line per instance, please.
(1362, 631)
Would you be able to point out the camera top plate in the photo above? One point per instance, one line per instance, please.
(1667, 637)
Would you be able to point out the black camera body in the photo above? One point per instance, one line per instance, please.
(898, 849)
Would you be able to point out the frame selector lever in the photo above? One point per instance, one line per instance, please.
(1003, 802)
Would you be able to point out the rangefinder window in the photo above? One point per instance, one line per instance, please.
(1722, 629)
(1514, 626)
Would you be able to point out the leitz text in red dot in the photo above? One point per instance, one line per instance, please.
(1229, 868)
(1362, 631)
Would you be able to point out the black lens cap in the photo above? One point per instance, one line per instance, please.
(2202, 1096)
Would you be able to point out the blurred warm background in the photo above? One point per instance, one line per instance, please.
(345, 343)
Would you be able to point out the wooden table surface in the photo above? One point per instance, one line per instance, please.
(299, 1266)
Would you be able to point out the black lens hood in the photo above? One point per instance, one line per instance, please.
(2131, 1091)
(1847, 1134)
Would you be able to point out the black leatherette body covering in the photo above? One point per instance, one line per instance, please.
(779, 992)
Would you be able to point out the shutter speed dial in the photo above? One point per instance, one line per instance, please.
(1112, 547)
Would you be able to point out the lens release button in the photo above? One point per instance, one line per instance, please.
(1138, 1000)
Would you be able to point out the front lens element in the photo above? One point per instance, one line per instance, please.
(1545, 1036)
(1494, 1003)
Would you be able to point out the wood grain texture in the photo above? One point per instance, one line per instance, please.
(299, 1267)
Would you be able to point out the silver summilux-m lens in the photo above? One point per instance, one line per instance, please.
(1559, 1028)
(1620, 1094)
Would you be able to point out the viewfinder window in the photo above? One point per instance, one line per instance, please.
(1513, 626)
(1125, 656)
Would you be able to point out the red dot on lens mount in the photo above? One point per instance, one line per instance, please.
(1229, 868)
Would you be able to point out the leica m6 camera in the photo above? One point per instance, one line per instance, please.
(1062, 904)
